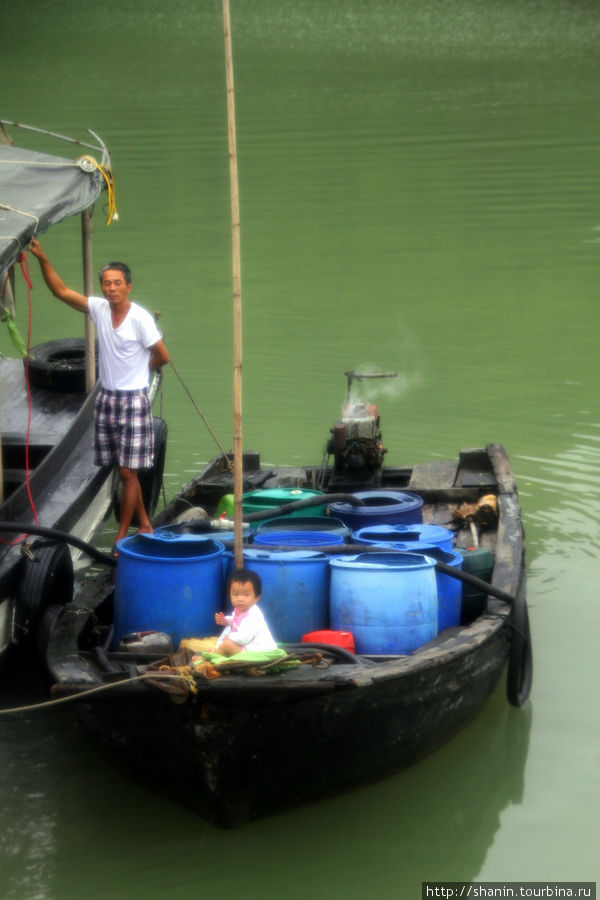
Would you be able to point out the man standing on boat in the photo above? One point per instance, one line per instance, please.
(130, 347)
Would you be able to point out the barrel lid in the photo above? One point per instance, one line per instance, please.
(405, 537)
(278, 556)
(165, 535)
(380, 500)
(167, 547)
(204, 535)
(298, 538)
(406, 532)
(384, 561)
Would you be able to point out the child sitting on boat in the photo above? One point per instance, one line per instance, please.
(246, 627)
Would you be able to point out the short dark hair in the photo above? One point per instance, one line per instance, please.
(122, 267)
(242, 576)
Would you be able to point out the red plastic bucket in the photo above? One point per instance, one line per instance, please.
(339, 638)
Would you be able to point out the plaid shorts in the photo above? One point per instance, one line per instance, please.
(124, 432)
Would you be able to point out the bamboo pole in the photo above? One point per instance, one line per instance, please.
(88, 287)
(237, 295)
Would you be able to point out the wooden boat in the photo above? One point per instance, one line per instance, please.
(48, 479)
(243, 745)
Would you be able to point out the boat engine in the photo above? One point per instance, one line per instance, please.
(355, 441)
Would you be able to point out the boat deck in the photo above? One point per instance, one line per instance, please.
(52, 411)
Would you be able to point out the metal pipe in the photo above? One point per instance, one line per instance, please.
(54, 134)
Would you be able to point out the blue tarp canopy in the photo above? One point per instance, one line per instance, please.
(36, 191)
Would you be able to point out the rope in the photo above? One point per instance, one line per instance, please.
(20, 212)
(111, 213)
(95, 690)
(15, 238)
(203, 417)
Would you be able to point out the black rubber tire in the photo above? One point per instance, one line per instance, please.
(59, 365)
(520, 660)
(47, 580)
(43, 632)
(150, 479)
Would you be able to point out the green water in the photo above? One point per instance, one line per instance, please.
(419, 193)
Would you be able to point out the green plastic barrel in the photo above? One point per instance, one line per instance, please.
(262, 504)
(480, 562)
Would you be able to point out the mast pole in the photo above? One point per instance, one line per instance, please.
(237, 295)
(88, 287)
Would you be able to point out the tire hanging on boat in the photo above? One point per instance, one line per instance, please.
(43, 632)
(150, 479)
(47, 580)
(59, 365)
(520, 659)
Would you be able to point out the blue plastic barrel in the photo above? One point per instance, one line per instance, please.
(295, 592)
(381, 507)
(297, 539)
(405, 537)
(387, 600)
(305, 523)
(203, 535)
(224, 537)
(168, 583)
(449, 589)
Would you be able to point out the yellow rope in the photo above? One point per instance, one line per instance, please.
(111, 213)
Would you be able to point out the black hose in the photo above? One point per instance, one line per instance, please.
(55, 534)
(333, 649)
(351, 549)
(468, 578)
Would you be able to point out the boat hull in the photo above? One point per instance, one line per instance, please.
(250, 750)
(241, 746)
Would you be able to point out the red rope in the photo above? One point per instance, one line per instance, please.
(25, 271)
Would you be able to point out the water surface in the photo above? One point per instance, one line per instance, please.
(418, 194)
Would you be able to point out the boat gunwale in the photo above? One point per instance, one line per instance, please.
(465, 641)
(447, 647)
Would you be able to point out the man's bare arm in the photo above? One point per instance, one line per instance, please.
(159, 355)
(55, 283)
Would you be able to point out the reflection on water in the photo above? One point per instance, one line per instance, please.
(28, 820)
(465, 788)
(67, 807)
